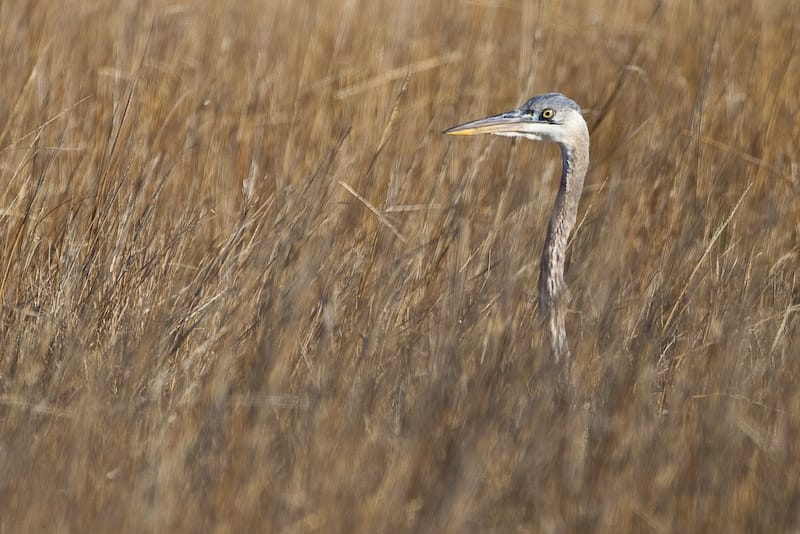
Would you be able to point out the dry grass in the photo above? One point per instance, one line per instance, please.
(248, 286)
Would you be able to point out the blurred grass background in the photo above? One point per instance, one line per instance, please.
(248, 286)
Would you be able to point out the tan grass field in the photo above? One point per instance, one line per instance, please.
(248, 286)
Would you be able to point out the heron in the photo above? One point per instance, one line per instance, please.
(550, 117)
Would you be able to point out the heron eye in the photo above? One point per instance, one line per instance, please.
(548, 114)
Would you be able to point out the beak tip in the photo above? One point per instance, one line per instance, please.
(456, 130)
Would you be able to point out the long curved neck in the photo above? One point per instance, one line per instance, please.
(575, 158)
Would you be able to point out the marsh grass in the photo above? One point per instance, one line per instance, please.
(248, 286)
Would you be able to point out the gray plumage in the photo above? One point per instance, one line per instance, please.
(554, 118)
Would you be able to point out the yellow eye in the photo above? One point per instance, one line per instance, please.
(548, 114)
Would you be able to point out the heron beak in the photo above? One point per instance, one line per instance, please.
(504, 123)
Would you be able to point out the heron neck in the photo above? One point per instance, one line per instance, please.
(575, 159)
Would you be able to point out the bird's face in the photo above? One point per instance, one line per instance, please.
(551, 117)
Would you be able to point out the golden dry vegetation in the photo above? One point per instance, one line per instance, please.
(248, 286)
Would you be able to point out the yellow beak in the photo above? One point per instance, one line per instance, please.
(496, 124)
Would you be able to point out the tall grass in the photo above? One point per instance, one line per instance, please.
(248, 286)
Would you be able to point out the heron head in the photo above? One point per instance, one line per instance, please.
(549, 117)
